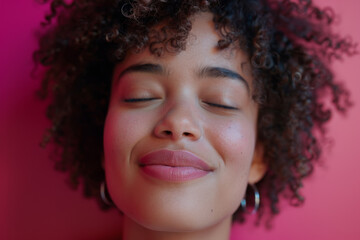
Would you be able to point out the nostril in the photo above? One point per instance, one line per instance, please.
(187, 134)
(167, 132)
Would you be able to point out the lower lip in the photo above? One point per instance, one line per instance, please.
(173, 174)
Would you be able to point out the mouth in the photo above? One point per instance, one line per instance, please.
(173, 166)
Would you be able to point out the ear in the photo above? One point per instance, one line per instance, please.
(258, 167)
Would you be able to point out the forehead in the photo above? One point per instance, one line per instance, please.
(201, 50)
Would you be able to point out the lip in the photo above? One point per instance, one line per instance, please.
(173, 166)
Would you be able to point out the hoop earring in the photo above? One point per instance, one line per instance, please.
(103, 194)
(256, 199)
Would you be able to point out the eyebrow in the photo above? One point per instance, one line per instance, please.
(142, 67)
(219, 72)
(215, 72)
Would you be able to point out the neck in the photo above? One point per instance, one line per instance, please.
(134, 231)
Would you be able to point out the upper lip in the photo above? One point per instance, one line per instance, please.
(177, 158)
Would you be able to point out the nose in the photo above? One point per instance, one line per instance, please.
(179, 122)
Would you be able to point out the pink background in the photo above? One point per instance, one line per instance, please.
(35, 203)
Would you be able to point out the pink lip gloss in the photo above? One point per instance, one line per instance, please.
(173, 166)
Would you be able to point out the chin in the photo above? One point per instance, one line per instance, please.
(177, 217)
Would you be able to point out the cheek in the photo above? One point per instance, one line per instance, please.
(235, 142)
(122, 133)
(116, 130)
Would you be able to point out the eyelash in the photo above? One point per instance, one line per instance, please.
(135, 100)
(221, 106)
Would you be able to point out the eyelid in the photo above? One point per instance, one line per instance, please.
(221, 106)
(133, 100)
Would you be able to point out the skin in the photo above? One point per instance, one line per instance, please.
(182, 109)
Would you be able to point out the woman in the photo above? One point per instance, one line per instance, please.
(188, 98)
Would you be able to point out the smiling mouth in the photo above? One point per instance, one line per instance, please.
(173, 166)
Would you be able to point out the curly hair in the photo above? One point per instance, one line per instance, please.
(290, 46)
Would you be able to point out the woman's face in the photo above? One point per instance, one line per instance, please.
(180, 134)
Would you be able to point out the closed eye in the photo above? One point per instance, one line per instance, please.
(131, 100)
(221, 106)
(134, 100)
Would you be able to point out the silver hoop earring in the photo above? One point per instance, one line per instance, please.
(256, 199)
(103, 196)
